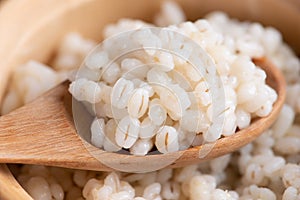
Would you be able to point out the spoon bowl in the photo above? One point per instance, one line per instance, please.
(42, 132)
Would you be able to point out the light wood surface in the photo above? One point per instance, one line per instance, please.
(42, 132)
(32, 25)
(9, 187)
(32, 32)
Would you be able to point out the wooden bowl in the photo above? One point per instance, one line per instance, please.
(33, 30)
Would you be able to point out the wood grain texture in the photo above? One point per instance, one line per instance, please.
(25, 22)
(42, 132)
(9, 187)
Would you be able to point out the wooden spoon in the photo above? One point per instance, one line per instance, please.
(42, 132)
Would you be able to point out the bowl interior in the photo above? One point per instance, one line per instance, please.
(41, 32)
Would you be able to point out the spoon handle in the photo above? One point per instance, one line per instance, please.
(42, 132)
